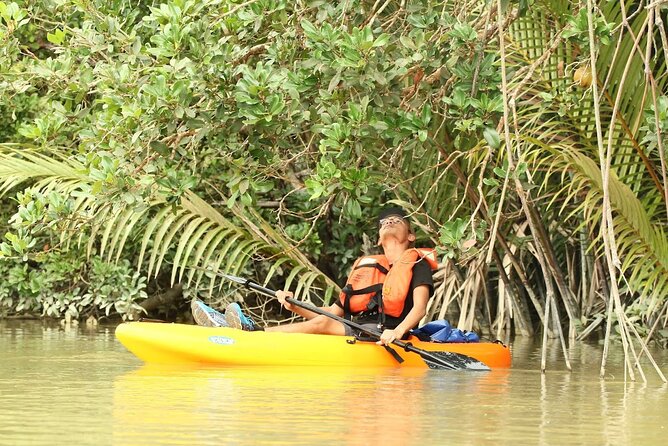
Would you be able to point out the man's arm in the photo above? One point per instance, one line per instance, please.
(420, 299)
(306, 314)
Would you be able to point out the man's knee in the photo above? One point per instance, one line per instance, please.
(322, 325)
(319, 323)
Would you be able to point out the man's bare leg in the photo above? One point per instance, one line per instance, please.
(318, 325)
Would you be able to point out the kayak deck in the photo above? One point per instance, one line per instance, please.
(178, 344)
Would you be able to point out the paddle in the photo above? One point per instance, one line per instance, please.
(435, 360)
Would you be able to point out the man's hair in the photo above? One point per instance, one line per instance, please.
(390, 211)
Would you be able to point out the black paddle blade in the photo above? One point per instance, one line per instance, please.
(451, 361)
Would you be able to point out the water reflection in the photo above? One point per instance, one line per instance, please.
(295, 405)
(60, 386)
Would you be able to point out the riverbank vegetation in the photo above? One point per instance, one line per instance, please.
(147, 144)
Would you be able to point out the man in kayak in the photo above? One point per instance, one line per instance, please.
(405, 295)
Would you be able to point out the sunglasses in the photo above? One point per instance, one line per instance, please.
(390, 220)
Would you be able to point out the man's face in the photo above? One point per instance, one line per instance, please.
(396, 227)
(391, 221)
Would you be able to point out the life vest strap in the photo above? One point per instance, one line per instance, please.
(376, 265)
(369, 289)
(348, 291)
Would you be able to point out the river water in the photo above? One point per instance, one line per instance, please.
(80, 386)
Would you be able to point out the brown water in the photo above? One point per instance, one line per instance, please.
(76, 386)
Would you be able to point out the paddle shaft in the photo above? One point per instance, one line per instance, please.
(373, 333)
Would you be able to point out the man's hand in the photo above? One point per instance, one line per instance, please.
(388, 336)
(281, 295)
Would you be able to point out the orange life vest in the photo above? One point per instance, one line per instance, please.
(373, 276)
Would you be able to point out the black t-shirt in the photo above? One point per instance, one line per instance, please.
(421, 276)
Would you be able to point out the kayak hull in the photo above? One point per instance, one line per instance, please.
(182, 344)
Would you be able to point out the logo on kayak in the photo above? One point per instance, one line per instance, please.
(221, 340)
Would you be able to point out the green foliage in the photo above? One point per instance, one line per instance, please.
(65, 284)
(458, 238)
(37, 213)
(578, 30)
(13, 16)
(474, 116)
(656, 126)
(54, 283)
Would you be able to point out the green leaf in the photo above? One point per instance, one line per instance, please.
(309, 29)
(500, 172)
(353, 208)
(492, 137)
(57, 37)
(334, 82)
(521, 169)
(382, 40)
(407, 42)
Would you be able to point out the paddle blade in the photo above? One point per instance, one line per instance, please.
(451, 361)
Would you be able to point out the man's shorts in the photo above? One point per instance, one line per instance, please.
(356, 333)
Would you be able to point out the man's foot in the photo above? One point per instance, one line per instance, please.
(236, 319)
(207, 316)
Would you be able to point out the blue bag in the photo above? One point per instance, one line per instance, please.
(455, 336)
(471, 336)
(441, 331)
(433, 327)
(443, 334)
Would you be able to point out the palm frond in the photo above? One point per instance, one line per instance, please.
(622, 77)
(193, 236)
(20, 165)
(642, 245)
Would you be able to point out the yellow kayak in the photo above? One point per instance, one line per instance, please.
(179, 344)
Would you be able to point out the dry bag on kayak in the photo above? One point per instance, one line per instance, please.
(441, 331)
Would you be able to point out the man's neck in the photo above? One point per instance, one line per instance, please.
(393, 250)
